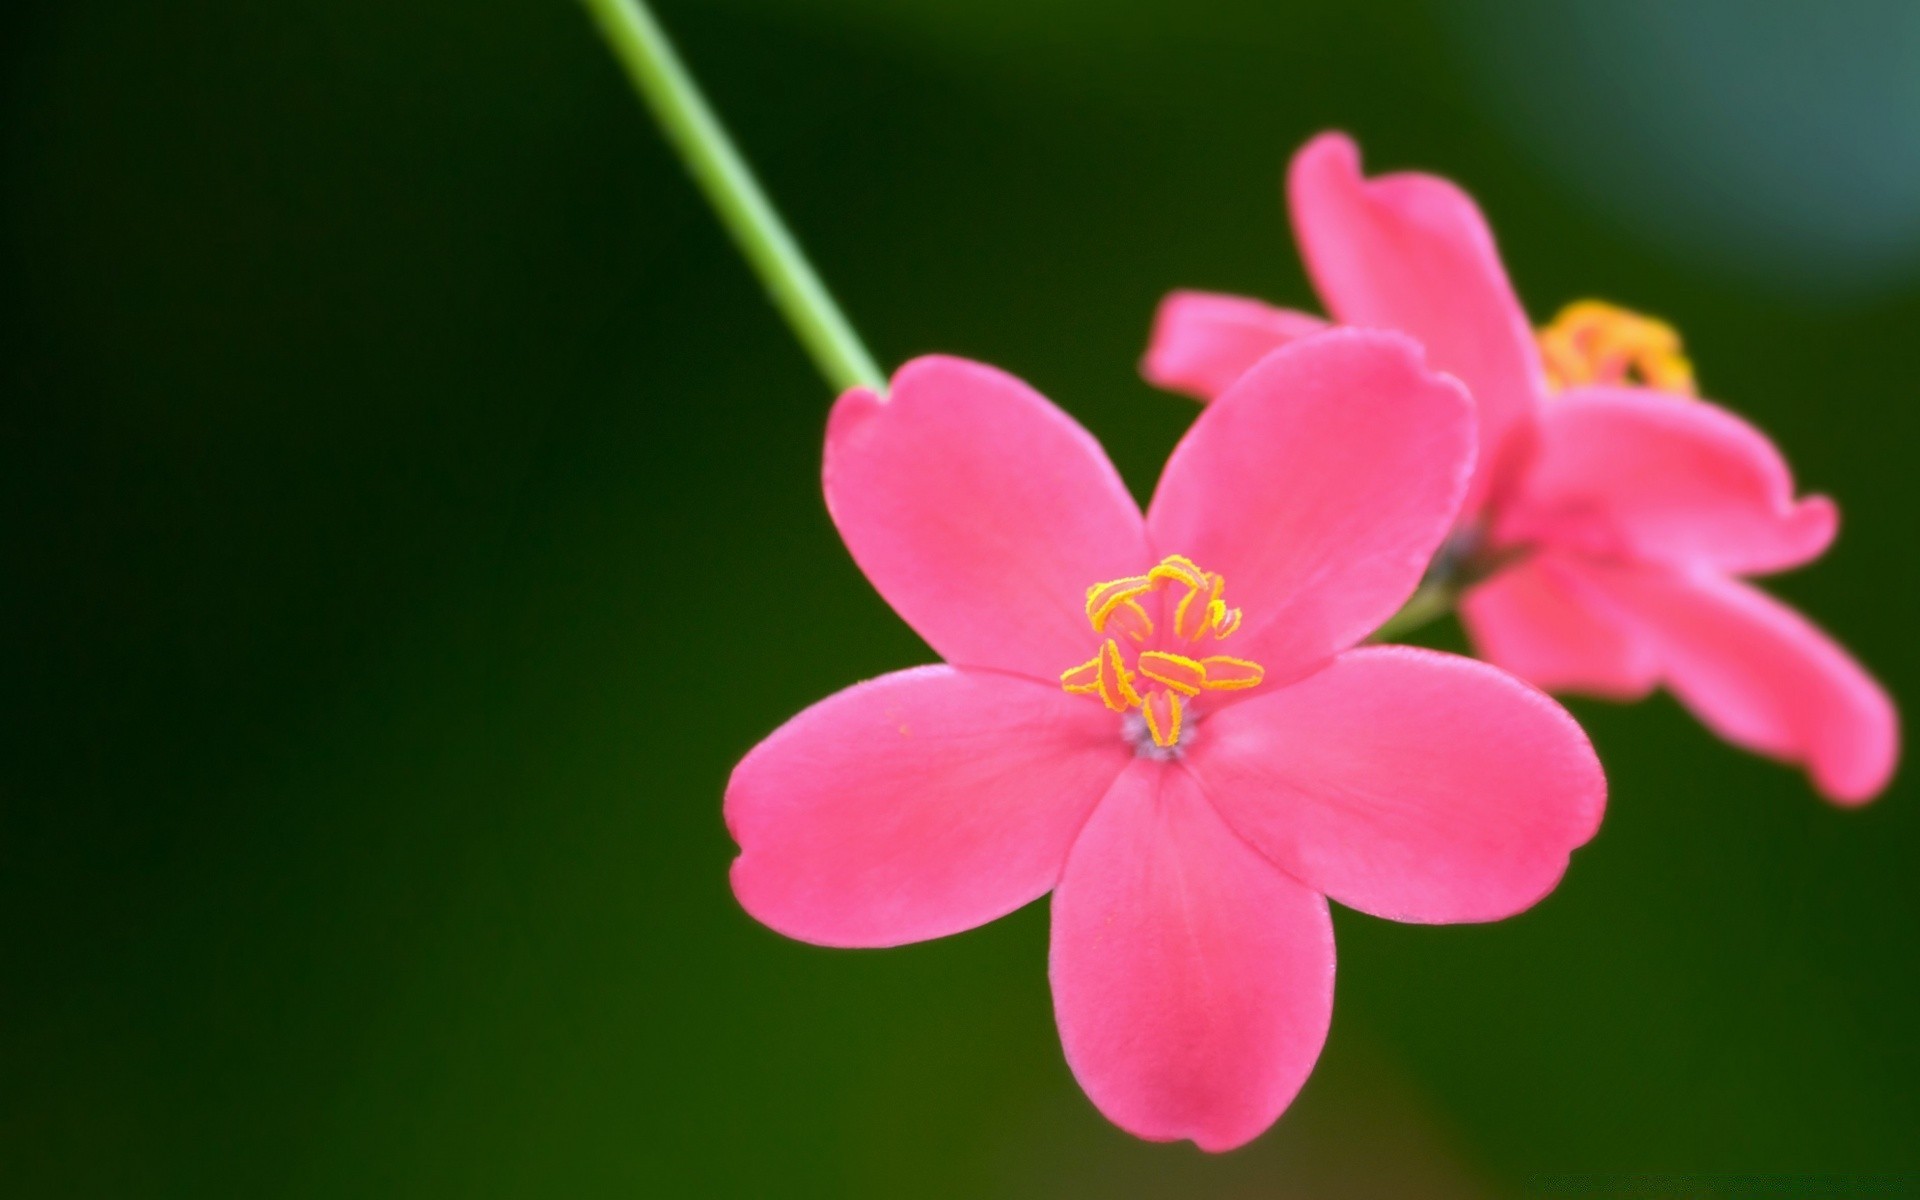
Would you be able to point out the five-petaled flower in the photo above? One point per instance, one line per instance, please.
(1612, 516)
(1162, 719)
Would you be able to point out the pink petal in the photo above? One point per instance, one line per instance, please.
(1536, 619)
(981, 512)
(1412, 252)
(1192, 980)
(1675, 480)
(1202, 341)
(916, 805)
(1763, 677)
(1407, 783)
(1320, 485)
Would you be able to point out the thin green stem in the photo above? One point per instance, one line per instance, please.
(643, 49)
(1428, 604)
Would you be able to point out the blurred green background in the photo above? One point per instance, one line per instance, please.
(410, 511)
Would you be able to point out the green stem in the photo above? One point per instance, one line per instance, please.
(642, 47)
(1428, 604)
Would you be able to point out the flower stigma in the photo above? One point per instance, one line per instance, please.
(1593, 342)
(1152, 672)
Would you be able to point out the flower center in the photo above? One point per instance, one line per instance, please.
(1154, 670)
(1592, 341)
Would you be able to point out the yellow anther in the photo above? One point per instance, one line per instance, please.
(1163, 713)
(1231, 674)
(1083, 680)
(1177, 568)
(1202, 610)
(1593, 342)
(1190, 620)
(1131, 620)
(1118, 610)
(1114, 681)
(1118, 595)
(1221, 619)
(1182, 674)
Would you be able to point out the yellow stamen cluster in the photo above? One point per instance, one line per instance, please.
(1593, 342)
(1159, 682)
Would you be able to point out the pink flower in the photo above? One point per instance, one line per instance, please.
(1612, 519)
(1191, 779)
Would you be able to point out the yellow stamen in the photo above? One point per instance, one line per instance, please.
(1220, 618)
(1132, 620)
(1231, 674)
(1105, 599)
(1163, 711)
(1116, 609)
(1114, 681)
(1177, 568)
(1083, 680)
(1175, 671)
(1593, 342)
(1191, 630)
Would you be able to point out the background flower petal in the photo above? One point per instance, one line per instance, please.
(1764, 677)
(1537, 620)
(1193, 980)
(1407, 783)
(981, 512)
(1203, 341)
(1676, 480)
(1320, 485)
(916, 805)
(1412, 252)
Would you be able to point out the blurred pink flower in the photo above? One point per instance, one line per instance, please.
(1612, 516)
(1191, 781)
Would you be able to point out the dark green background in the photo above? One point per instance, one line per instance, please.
(410, 514)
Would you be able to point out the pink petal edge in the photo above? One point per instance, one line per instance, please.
(1671, 480)
(1192, 980)
(1762, 676)
(1320, 484)
(916, 805)
(1412, 252)
(981, 513)
(1535, 619)
(1202, 341)
(1407, 783)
